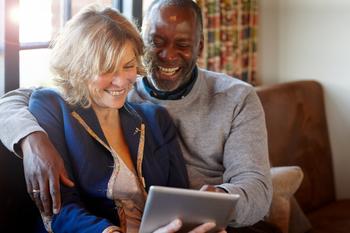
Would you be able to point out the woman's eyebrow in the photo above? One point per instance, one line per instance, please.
(131, 60)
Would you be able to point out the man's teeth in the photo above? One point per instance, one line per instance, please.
(116, 93)
(168, 71)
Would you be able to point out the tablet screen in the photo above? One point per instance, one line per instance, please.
(193, 207)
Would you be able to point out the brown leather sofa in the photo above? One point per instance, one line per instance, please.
(17, 211)
(298, 136)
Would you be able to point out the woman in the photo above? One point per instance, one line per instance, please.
(113, 150)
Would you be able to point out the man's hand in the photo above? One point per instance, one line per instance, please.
(43, 171)
(212, 188)
(176, 225)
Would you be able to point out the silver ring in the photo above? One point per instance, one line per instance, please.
(36, 191)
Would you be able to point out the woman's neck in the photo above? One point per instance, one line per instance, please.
(105, 115)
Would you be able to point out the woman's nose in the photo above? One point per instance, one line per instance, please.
(121, 80)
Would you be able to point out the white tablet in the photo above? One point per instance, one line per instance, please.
(193, 207)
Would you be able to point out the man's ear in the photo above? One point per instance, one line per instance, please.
(201, 45)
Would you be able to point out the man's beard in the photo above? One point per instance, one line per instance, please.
(150, 61)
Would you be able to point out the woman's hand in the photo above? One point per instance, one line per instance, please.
(176, 225)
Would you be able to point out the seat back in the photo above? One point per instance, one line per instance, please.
(17, 212)
(298, 135)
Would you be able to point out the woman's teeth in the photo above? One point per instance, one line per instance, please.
(116, 93)
(168, 71)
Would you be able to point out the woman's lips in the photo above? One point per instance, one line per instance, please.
(116, 92)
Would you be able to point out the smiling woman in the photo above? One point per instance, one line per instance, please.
(95, 60)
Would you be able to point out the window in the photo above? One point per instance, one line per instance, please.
(2, 45)
(39, 21)
(145, 5)
(27, 26)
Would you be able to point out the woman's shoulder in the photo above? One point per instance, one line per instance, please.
(46, 94)
(155, 116)
(150, 110)
(48, 98)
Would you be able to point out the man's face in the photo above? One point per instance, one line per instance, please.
(173, 45)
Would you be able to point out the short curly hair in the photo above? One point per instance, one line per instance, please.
(90, 44)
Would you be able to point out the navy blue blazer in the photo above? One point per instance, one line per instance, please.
(86, 208)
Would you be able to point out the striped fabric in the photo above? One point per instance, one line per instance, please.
(230, 37)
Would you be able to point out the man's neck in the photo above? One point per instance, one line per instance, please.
(176, 94)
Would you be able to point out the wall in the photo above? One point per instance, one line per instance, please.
(268, 61)
(311, 40)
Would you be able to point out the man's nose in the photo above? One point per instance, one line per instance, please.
(168, 54)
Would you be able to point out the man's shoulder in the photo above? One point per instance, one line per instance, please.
(223, 83)
(137, 93)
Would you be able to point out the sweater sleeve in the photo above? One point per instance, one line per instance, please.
(247, 169)
(50, 111)
(16, 122)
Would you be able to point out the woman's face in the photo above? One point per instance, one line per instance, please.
(110, 90)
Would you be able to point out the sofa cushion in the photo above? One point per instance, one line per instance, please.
(285, 180)
(17, 211)
(298, 221)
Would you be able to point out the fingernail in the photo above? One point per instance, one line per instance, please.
(211, 224)
(177, 223)
(55, 211)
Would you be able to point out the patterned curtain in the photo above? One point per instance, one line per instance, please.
(230, 37)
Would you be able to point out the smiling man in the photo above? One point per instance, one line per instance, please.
(173, 36)
(219, 119)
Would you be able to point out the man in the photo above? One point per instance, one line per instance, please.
(219, 119)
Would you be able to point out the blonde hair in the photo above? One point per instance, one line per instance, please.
(90, 44)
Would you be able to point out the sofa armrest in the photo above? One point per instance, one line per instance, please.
(285, 181)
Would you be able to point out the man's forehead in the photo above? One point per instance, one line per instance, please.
(165, 15)
(173, 13)
(173, 18)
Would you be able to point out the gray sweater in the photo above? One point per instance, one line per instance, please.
(221, 130)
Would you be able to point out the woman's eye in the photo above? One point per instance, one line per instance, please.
(129, 66)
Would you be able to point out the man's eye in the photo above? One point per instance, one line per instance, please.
(156, 42)
(183, 45)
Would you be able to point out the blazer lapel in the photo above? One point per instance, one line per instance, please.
(134, 134)
(133, 131)
(131, 125)
(90, 119)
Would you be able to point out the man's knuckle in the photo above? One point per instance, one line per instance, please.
(53, 192)
(44, 198)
